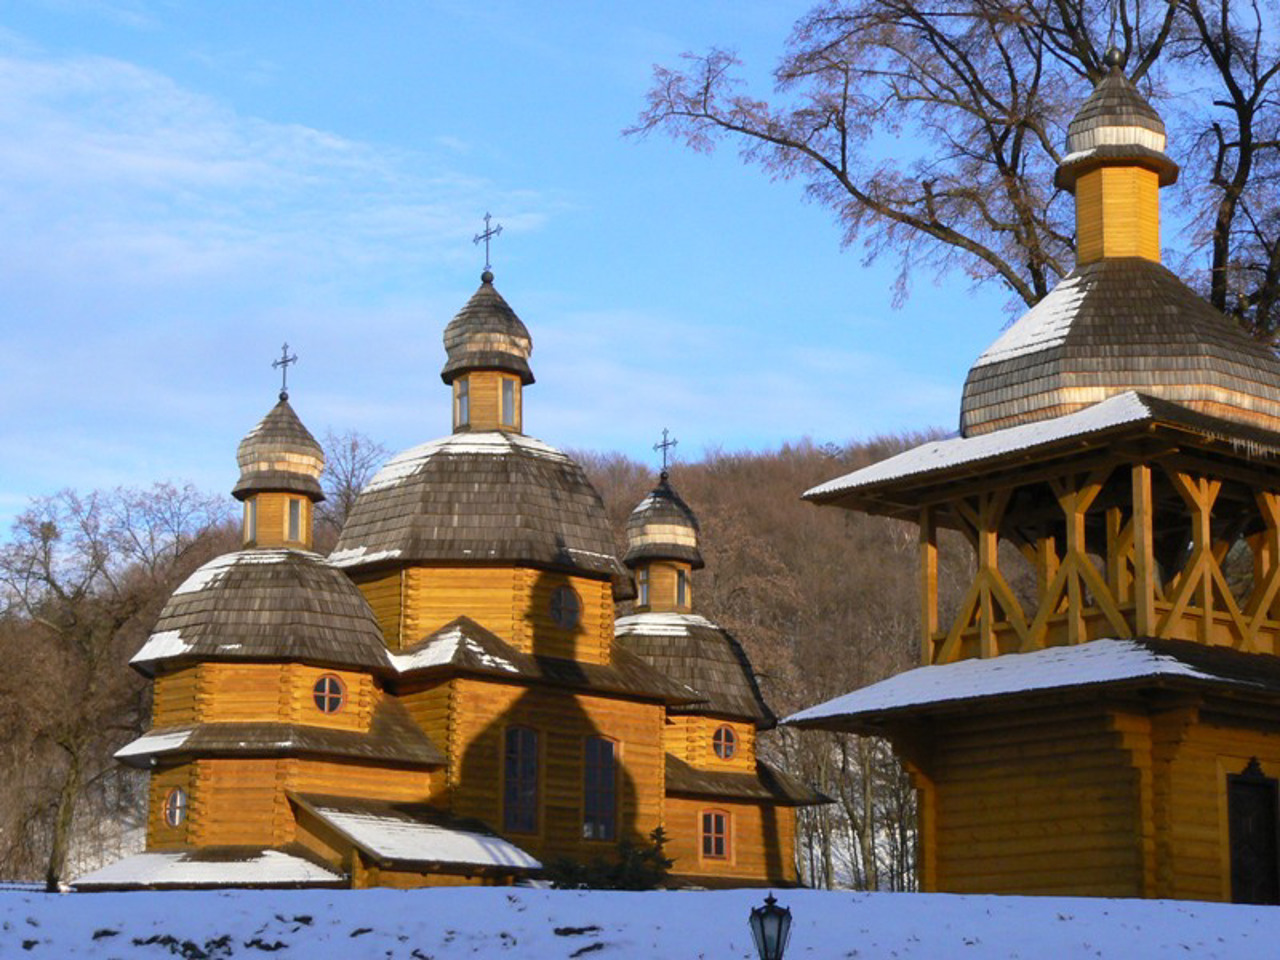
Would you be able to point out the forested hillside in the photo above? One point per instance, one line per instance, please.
(823, 601)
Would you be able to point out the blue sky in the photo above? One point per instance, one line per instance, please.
(186, 185)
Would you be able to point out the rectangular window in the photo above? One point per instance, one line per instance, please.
(508, 403)
(715, 835)
(600, 794)
(1253, 803)
(642, 587)
(251, 520)
(682, 589)
(462, 412)
(520, 781)
(295, 519)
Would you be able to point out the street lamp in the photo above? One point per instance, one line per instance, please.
(770, 928)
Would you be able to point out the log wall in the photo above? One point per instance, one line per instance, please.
(691, 738)
(1117, 214)
(761, 841)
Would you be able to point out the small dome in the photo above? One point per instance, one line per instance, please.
(487, 335)
(486, 497)
(266, 605)
(662, 527)
(279, 454)
(1115, 123)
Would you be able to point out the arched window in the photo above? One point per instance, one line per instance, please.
(600, 789)
(175, 807)
(715, 835)
(725, 742)
(520, 781)
(566, 608)
(329, 694)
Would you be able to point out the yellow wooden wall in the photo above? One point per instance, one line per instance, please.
(662, 586)
(174, 698)
(484, 397)
(273, 521)
(512, 602)
(1117, 214)
(1035, 802)
(689, 737)
(160, 835)
(761, 840)
(483, 712)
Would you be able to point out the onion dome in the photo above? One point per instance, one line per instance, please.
(486, 334)
(266, 605)
(489, 497)
(1115, 123)
(279, 454)
(662, 527)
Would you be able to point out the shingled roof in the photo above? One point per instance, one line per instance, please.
(392, 737)
(266, 604)
(279, 454)
(1114, 325)
(486, 334)
(490, 497)
(662, 527)
(701, 655)
(463, 646)
(767, 783)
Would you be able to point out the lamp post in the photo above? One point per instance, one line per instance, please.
(770, 928)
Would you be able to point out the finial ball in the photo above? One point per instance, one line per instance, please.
(284, 394)
(486, 277)
(1113, 57)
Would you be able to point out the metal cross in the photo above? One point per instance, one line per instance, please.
(489, 234)
(283, 365)
(664, 446)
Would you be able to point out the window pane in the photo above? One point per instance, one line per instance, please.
(520, 781)
(599, 790)
(464, 403)
(642, 583)
(508, 403)
(295, 519)
(681, 589)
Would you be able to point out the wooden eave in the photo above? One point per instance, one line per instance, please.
(766, 785)
(1154, 438)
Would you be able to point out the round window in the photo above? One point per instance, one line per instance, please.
(725, 742)
(566, 608)
(175, 807)
(329, 694)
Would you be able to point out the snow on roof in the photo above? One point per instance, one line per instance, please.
(403, 838)
(150, 743)
(160, 646)
(213, 571)
(442, 648)
(353, 555)
(187, 868)
(1099, 661)
(1123, 408)
(660, 624)
(1044, 325)
(495, 443)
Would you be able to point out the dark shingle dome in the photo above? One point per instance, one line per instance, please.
(482, 497)
(486, 334)
(662, 527)
(266, 605)
(1117, 325)
(1114, 123)
(694, 651)
(279, 454)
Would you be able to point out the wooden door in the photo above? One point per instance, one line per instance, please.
(1252, 828)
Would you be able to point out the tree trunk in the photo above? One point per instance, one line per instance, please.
(63, 820)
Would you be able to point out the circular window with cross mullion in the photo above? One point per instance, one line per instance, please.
(724, 742)
(329, 694)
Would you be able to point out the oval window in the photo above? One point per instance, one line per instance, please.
(175, 807)
(725, 742)
(329, 694)
(566, 608)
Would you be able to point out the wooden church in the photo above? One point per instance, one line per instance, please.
(1117, 733)
(449, 697)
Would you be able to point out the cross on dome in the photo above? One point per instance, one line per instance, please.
(666, 445)
(283, 366)
(488, 234)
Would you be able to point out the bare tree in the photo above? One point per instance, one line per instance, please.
(82, 577)
(932, 130)
(350, 460)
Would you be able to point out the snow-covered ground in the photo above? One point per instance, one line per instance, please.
(450, 924)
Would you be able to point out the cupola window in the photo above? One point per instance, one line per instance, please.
(724, 742)
(642, 587)
(175, 807)
(508, 402)
(251, 520)
(682, 588)
(566, 608)
(295, 519)
(329, 693)
(600, 794)
(520, 781)
(462, 402)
